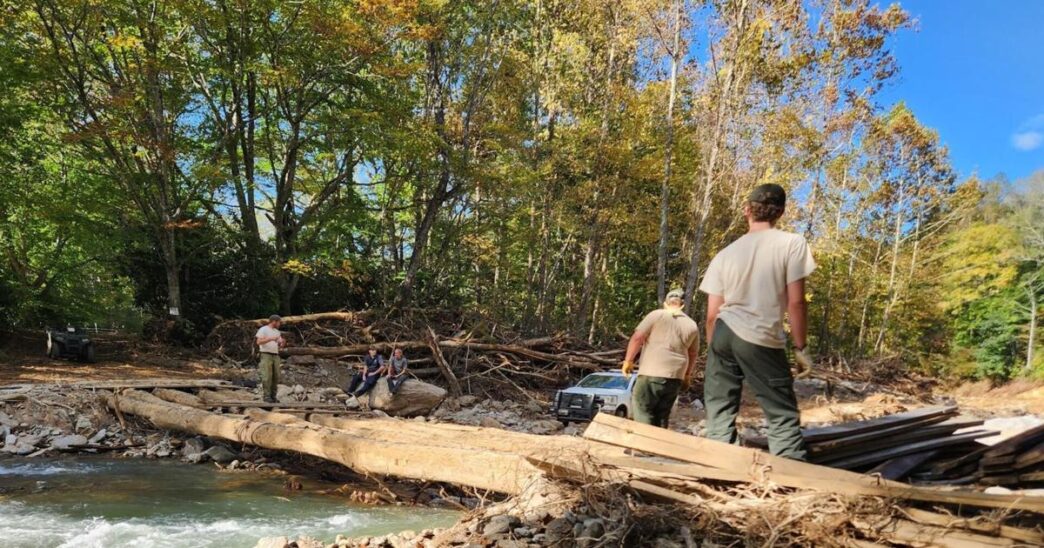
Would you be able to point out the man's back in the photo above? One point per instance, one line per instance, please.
(752, 274)
(671, 335)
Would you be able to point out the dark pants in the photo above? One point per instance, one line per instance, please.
(394, 383)
(367, 382)
(653, 398)
(732, 360)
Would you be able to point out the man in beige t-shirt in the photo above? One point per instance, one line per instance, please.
(669, 342)
(749, 286)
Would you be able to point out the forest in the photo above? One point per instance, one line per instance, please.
(555, 166)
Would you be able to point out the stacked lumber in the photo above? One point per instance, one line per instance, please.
(933, 445)
(1015, 461)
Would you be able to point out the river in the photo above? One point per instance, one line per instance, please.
(102, 502)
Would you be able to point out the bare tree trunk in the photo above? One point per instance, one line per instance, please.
(703, 205)
(665, 188)
(892, 291)
(1031, 292)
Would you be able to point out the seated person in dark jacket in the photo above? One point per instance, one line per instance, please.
(374, 368)
(397, 366)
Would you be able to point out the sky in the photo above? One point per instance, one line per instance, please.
(974, 71)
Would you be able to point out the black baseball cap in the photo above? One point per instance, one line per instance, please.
(769, 194)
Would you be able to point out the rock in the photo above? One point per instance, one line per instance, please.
(380, 414)
(557, 530)
(298, 389)
(308, 542)
(220, 454)
(500, 525)
(233, 465)
(523, 532)
(490, 422)
(413, 398)
(194, 446)
(511, 543)
(593, 530)
(283, 392)
(11, 439)
(65, 442)
(304, 359)
(545, 426)
(83, 423)
(467, 400)
(6, 420)
(163, 453)
(352, 403)
(98, 436)
(273, 542)
(534, 406)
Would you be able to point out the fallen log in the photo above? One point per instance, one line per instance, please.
(177, 396)
(408, 457)
(444, 368)
(336, 316)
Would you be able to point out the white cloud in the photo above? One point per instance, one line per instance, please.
(1027, 140)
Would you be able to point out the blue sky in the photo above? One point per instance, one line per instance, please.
(974, 71)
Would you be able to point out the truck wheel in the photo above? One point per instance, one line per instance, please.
(564, 422)
(621, 411)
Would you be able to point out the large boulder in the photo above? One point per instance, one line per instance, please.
(413, 398)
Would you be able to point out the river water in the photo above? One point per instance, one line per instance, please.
(99, 502)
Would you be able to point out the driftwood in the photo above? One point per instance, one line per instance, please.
(444, 368)
(408, 457)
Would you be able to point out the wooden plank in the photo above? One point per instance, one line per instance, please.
(1029, 438)
(870, 457)
(860, 439)
(758, 466)
(1032, 476)
(1030, 457)
(927, 535)
(895, 440)
(899, 467)
(823, 433)
(978, 524)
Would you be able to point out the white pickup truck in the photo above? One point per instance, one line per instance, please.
(608, 392)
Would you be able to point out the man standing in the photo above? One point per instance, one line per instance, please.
(669, 342)
(269, 340)
(749, 285)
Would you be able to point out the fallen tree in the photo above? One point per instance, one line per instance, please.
(408, 457)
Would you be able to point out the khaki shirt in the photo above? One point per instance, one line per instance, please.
(752, 274)
(670, 336)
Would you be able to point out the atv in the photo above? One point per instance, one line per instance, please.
(71, 344)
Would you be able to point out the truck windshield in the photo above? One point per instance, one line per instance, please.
(612, 382)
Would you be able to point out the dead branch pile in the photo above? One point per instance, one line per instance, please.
(462, 351)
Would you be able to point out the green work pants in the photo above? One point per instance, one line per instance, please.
(653, 398)
(268, 368)
(732, 360)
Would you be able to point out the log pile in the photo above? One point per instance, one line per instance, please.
(463, 351)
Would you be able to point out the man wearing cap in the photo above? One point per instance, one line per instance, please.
(669, 342)
(269, 340)
(749, 286)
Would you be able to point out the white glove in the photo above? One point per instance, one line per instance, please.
(803, 362)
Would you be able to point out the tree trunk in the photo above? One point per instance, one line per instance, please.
(665, 188)
(407, 457)
(1030, 343)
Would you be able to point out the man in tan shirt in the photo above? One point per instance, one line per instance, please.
(669, 342)
(749, 286)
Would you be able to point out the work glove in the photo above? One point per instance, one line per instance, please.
(627, 368)
(803, 362)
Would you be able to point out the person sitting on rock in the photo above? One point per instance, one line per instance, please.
(397, 366)
(374, 368)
